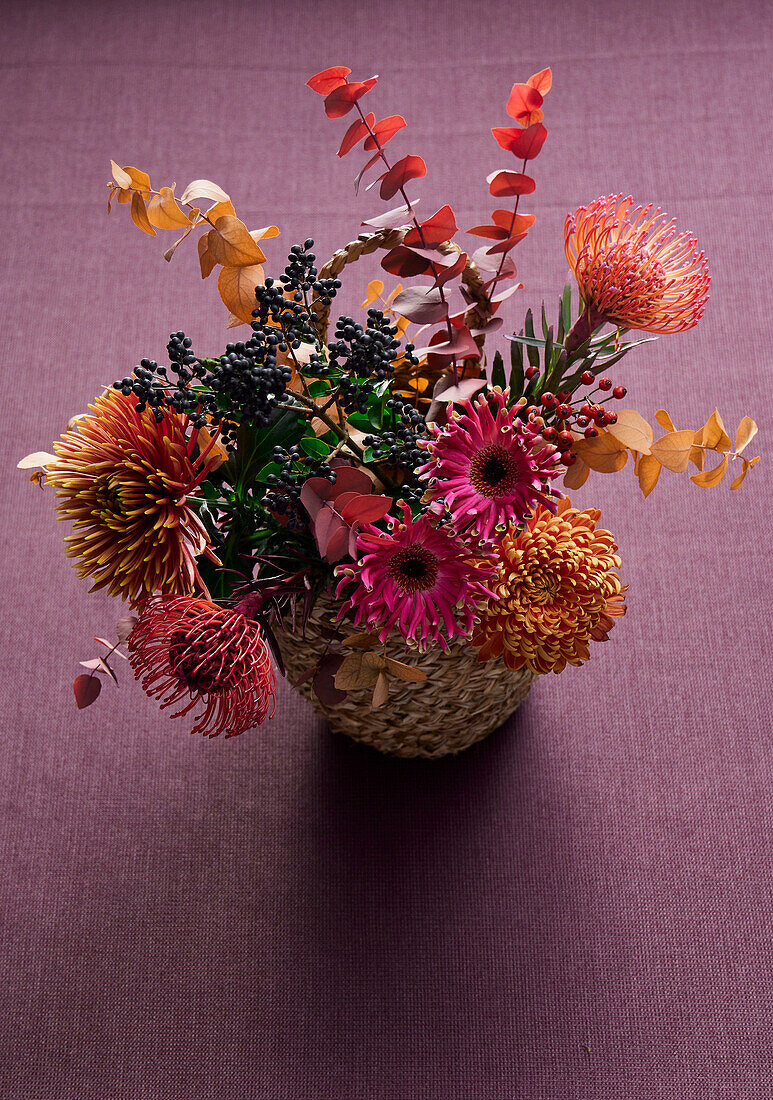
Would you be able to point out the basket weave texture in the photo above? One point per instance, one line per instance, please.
(461, 701)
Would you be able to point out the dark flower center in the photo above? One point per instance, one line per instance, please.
(413, 569)
(198, 662)
(107, 498)
(494, 471)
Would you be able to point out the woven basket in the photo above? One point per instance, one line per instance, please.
(461, 701)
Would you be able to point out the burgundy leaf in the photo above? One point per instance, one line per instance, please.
(460, 346)
(366, 509)
(421, 304)
(447, 273)
(328, 80)
(434, 231)
(86, 689)
(323, 683)
(506, 245)
(410, 167)
(404, 262)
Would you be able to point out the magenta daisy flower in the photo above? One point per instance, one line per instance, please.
(416, 577)
(488, 468)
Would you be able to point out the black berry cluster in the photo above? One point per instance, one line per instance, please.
(363, 357)
(284, 493)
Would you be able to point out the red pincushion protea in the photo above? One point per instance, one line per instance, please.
(488, 468)
(122, 478)
(633, 269)
(188, 650)
(418, 578)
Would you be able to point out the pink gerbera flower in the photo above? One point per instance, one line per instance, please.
(416, 577)
(488, 468)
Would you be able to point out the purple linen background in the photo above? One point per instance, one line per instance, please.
(580, 907)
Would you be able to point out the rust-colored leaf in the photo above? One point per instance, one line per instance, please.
(604, 454)
(207, 261)
(709, 478)
(86, 689)
(524, 144)
(140, 214)
(384, 131)
(542, 81)
(194, 221)
(357, 131)
(164, 213)
(237, 289)
(673, 450)
(747, 430)
(341, 100)
(328, 80)
(410, 167)
(503, 184)
(231, 244)
(648, 472)
(632, 430)
(217, 454)
(434, 231)
(524, 98)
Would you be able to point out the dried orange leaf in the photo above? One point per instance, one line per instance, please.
(164, 213)
(604, 454)
(140, 214)
(747, 465)
(237, 289)
(711, 477)
(265, 233)
(361, 641)
(673, 450)
(121, 176)
(204, 189)
(373, 293)
(171, 251)
(632, 430)
(230, 244)
(37, 458)
(353, 674)
(648, 472)
(219, 210)
(714, 435)
(216, 453)
(207, 261)
(405, 672)
(665, 420)
(576, 475)
(747, 430)
(380, 691)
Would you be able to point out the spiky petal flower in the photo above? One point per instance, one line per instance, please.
(487, 467)
(556, 591)
(416, 577)
(189, 651)
(633, 268)
(122, 478)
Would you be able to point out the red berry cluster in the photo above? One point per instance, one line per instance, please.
(565, 417)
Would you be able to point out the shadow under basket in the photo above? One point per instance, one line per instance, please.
(461, 701)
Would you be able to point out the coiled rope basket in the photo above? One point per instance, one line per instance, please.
(462, 700)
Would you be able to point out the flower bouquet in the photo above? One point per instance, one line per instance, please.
(377, 508)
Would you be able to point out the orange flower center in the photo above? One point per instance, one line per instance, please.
(622, 281)
(413, 569)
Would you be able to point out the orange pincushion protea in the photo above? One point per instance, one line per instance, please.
(122, 478)
(632, 267)
(557, 591)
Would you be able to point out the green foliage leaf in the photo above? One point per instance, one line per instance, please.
(498, 371)
(315, 448)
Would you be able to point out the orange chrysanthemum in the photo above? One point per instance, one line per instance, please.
(633, 269)
(122, 478)
(557, 591)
